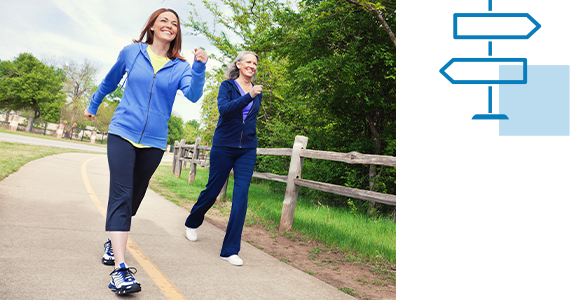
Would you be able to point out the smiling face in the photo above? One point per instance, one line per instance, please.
(165, 27)
(247, 66)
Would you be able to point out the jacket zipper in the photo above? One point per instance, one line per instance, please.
(147, 109)
(243, 122)
(243, 125)
(150, 97)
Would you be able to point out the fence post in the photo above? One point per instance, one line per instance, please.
(184, 155)
(178, 166)
(174, 156)
(222, 194)
(292, 190)
(14, 121)
(192, 174)
(59, 131)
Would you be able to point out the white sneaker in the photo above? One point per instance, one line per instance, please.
(191, 234)
(234, 260)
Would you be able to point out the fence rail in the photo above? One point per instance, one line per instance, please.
(184, 154)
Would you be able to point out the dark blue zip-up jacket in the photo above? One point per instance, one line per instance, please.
(142, 116)
(232, 130)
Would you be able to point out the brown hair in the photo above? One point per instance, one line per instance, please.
(175, 45)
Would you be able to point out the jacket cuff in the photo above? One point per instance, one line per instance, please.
(199, 66)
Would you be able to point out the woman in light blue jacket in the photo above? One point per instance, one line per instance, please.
(139, 128)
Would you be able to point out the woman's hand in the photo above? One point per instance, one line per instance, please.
(88, 115)
(255, 90)
(200, 55)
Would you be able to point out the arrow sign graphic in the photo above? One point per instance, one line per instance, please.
(502, 26)
(482, 70)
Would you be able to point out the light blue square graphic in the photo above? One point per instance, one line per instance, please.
(541, 107)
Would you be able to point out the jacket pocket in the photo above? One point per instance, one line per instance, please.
(249, 132)
(157, 125)
(130, 117)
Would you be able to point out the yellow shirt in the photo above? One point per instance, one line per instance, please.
(157, 64)
(156, 61)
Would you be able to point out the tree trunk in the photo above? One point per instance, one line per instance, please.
(378, 16)
(69, 133)
(372, 121)
(34, 115)
(30, 120)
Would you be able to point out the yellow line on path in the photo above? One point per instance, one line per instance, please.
(169, 290)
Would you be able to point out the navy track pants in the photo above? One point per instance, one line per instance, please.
(222, 160)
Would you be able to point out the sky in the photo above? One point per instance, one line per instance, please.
(95, 30)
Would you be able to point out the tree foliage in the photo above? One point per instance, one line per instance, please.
(328, 68)
(27, 83)
(191, 131)
(79, 86)
(175, 129)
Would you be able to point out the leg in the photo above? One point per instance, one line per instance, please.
(119, 242)
(221, 162)
(121, 156)
(146, 162)
(243, 170)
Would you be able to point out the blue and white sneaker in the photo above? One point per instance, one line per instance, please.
(123, 282)
(108, 257)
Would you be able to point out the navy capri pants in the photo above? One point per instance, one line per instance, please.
(131, 169)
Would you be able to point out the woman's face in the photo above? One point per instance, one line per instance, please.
(165, 27)
(247, 66)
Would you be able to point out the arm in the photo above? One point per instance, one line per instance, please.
(108, 85)
(193, 79)
(228, 106)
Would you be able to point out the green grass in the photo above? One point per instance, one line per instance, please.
(15, 155)
(348, 291)
(366, 238)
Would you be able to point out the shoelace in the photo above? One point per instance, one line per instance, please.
(109, 247)
(127, 273)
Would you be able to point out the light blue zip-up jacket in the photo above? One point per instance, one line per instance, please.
(142, 116)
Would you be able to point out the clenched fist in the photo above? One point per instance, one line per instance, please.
(255, 90)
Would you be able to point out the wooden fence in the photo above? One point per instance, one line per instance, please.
(187, 154)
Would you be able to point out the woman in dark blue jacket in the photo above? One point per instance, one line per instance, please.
(234, 146)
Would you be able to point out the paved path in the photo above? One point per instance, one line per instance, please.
(15, 138)
(52, 235)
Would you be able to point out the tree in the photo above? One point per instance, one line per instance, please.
(6, 71)
(209, 110)
(105, 114)
(191, 130)
(27, 83)
(378, 9)
(346, 66)
(175, 129)
(79, 86)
